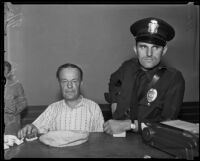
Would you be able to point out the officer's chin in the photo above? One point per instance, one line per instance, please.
(148, 66)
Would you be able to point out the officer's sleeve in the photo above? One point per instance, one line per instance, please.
(174, 97)
(115, 84)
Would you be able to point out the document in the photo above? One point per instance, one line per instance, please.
(188, 126)
(123, 134)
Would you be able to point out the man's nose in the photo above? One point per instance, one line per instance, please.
(69, 85)
(149, 52)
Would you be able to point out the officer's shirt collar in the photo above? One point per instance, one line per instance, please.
(150, 73)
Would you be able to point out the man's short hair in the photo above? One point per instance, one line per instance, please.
(69, 65)
(8, 65)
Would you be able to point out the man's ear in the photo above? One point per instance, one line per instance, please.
(164, 50)
(135, 50)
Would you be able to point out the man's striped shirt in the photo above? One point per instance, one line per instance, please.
(86, 116)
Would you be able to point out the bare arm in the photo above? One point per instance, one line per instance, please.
(29, 131)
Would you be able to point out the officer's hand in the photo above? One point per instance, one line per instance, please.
(116, 126)
(113, 107)
(28, 131)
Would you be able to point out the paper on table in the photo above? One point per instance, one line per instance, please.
(32, 139)
(123, 134)
(188, 126)
(10, 140)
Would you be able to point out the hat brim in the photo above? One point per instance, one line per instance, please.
(151, 39)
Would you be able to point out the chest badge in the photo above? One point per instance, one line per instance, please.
(151, 95)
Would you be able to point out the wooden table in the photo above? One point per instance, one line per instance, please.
(99, 145)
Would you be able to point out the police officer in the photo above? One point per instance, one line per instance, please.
(144, 89)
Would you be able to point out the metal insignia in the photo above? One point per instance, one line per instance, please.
(152, 95)
(153, 27)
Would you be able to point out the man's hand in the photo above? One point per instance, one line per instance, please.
(116, 126)
(28, 131)
(113, 107)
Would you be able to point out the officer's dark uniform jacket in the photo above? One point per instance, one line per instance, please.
(128, 87)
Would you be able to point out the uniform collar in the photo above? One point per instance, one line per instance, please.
(150, 73)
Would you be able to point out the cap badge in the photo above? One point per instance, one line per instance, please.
(151, 95)
(153, 27)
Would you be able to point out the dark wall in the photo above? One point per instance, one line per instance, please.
(97, 38)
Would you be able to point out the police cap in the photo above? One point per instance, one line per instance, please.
(152, 30)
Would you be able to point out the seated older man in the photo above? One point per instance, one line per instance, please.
(74, 112)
